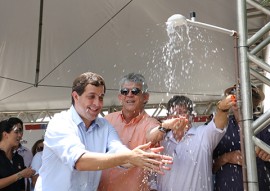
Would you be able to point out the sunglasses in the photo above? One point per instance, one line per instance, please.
(134, 91)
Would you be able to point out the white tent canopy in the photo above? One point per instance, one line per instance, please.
(112, 38)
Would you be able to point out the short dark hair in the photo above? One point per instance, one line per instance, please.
(8, 124)
(180, 100)
(84, 79)
(15, 120)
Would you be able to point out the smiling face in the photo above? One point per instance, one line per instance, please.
(14, 137)
(133, 104)
(17, 133)
(89, 103)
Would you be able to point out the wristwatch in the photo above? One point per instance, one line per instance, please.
(163, 129)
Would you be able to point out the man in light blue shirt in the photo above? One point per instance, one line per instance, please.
(76, 141)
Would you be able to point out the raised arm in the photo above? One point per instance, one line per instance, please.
(223, 107)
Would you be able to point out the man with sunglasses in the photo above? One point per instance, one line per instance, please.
(135, 127)
(78, 143)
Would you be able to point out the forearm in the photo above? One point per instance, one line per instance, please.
(177, 125)
(221, 119)
(218, 163)
(4, 182)
(155, 135)
(223, 107)
(100, 161)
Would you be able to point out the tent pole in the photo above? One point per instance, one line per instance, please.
(39, 43)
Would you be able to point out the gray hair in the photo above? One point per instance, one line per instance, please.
(136, 78)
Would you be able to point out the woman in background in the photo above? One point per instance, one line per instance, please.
(12, 169)
(37, 151)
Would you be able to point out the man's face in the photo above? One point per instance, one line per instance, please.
(181, 111)
(90, 103)
(132, 98)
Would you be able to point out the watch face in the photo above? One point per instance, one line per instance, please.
(163, 130)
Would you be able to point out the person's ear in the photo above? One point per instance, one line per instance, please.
(5, 134)
(145, 98)
(75, 95)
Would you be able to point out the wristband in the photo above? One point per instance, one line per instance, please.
(19, 176)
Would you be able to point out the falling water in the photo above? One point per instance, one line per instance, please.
(174, 48)
(178, 65)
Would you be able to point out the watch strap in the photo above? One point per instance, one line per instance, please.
(163, 129)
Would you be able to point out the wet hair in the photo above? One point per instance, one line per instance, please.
(84, 79)
(136, 78)
(180, 100)
(8, 124)
(35, 146)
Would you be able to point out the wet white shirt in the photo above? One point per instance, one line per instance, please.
(192, 159)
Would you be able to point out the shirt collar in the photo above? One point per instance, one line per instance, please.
(135, 119)
(78, 120)
(75, 116)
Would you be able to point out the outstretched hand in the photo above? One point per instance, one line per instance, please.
(148, 158)
(176, 123)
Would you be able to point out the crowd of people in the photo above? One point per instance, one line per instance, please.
(128, 149)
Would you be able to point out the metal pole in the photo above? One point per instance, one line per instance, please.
(262, 64)
(252, 178)
(240, 117)
(262, 119)
(39, 43)
(258, 34)
(260, 46)
(260, 76)
(211, 27)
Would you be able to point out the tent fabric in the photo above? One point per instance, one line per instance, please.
(112, 38)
